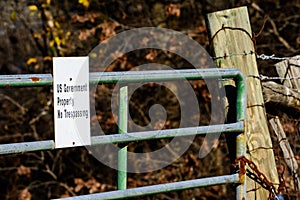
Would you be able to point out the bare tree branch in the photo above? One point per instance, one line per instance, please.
(281, 95)
(286, 150)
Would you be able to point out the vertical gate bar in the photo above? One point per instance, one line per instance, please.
(122, 123)
(240, 151)
(241, 138)
(241, 102)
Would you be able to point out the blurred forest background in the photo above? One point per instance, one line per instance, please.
(32, 32)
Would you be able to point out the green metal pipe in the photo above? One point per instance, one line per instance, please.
(24, 80)
(241, 151)
(241, 103)
(160, 188)
(167, 133)
(22, 147)
(122, 123)
(35, 80)
(241, 138)
(162, 75)
(127, 137)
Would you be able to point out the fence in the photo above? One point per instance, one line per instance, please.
(33, 80)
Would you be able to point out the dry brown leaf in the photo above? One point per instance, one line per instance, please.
(173, 9)
(64, 195)
(79, 184)
(84, 34)
(151, 55)
(108, 30)
(93, 185)
(87, 17)
(22, 170)
(24, 195)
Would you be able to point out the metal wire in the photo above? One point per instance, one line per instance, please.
(262, 57)
(263, 77)
(258, 56)
(273, 57)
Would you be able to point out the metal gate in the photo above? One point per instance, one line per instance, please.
(34, 80)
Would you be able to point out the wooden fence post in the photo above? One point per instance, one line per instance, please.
(231, 36)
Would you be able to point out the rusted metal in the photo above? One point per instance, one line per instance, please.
(258, 176)
(35, 79)
(25, 80)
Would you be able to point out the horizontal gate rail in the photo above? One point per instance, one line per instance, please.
(36, 80)
(22, 147)
(134, 76)
(160, 188)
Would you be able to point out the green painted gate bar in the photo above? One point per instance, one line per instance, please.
(23, 147)
(122, 153)
(160, 188)
(35, 80)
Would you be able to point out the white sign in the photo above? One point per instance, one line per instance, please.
(71, 101)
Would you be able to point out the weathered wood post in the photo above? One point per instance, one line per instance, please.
(231, 37)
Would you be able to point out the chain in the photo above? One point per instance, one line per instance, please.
(258, 176)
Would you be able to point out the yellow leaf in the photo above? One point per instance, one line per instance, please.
(85, 3)
(57, 40)
(31, 60)
(37, 35)
(47, 58)
(93, 55)
(57, 25)
(33, 8)
(13, 15)
(51, 44)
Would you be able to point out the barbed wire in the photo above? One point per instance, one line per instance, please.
(262, 57)
(265, 78)
(258, 56)
(245, 53)
(273, 57)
